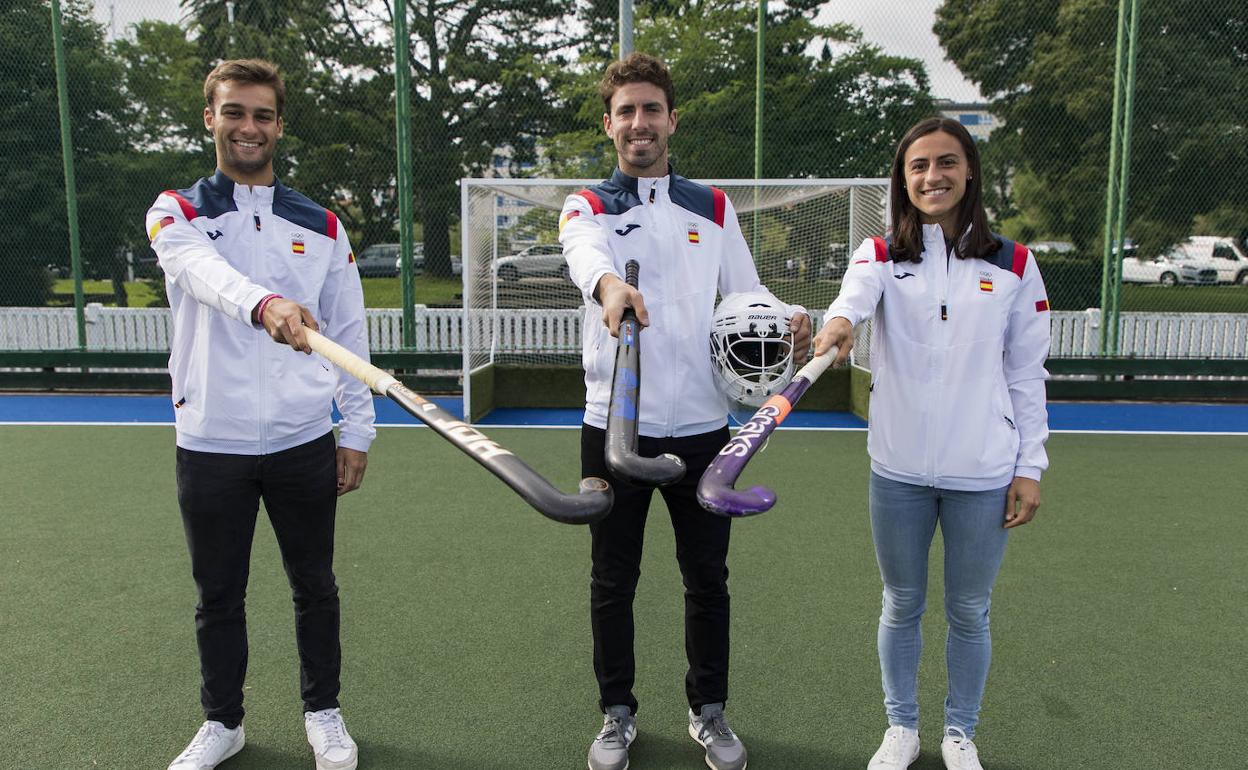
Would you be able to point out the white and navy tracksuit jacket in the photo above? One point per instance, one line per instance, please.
(689, 245)
(957, 363)
(224, 247)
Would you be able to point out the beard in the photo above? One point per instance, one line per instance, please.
(246, 165)
(643, 157)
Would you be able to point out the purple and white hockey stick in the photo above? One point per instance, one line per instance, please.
(715, 490)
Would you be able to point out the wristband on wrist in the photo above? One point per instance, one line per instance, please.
(258, 315)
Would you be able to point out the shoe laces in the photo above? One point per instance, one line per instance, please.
(209, 733)
(614, 730)
(962, 744)
(330, 726)
(716, 725)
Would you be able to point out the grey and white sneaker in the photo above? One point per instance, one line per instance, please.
(609, 751)
(724, 750)
(211, 746)
(897, 751)
(959, 751)
(332, 746)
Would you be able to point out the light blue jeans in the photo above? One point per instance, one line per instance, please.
(903, 521)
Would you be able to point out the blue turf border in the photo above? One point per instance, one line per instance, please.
(1063, 416)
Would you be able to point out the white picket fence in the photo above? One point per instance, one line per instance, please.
(440, 330)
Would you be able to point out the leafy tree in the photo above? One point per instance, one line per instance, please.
(1049, 64)
(834, 113)
(32, 181)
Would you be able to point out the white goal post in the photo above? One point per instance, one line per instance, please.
(520, 309)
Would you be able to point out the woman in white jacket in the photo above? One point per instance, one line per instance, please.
(957, 418)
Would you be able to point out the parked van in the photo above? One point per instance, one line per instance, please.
(1222, 254)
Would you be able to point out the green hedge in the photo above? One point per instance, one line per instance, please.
(1073, 281)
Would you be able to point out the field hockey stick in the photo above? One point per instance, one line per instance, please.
(621, 445)
(593, 502)
(715, 491)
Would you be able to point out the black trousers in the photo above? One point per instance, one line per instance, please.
(701, 551)
(220, 495)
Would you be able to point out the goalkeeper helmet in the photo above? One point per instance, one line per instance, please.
(751, 347)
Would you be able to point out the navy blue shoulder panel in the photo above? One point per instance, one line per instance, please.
(1003, 257)
(616, 195)
(211, 197)
(299, 209)
(693, 197)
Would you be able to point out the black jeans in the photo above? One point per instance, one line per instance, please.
(701, 551)
(219, 495)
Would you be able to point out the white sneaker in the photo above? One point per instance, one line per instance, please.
(331, 743)
(959, 751)
(724, 750)
(898, 750)
(211, 746)
(609, 751)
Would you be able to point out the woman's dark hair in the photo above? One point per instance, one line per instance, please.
(907, 229)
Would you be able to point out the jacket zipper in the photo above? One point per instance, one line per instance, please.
(935, 429)
(257, 245)
(671, 385)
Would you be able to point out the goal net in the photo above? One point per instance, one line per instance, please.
(521, 309)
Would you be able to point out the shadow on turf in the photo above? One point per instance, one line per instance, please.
(663, 752)
(372, 755)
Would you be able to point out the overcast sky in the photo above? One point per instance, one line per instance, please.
(902, 27)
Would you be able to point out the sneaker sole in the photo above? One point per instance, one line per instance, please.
(335, 765)
(707, 759)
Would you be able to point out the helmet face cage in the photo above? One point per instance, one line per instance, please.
(751, 348)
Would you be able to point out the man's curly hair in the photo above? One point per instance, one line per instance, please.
(637, 68)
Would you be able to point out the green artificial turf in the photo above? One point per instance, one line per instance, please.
(1118, 619)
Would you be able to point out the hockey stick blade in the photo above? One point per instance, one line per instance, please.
(621, 442)
(715, 489)
(591, 504)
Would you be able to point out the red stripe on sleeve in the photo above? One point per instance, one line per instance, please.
(188, 210)
(1042, 306)
(1020, 259)
(881, 249)
(595, 203)
(331, 224)
(719, 202)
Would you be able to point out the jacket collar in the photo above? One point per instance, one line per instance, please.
(641, 186)
(242, 192)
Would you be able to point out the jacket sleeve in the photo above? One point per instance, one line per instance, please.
(1026, 348)
(861, 287)
(194, 265)
(342, 319)
(585, 247)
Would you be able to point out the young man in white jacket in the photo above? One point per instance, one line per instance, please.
(689, 245)
(248, 261)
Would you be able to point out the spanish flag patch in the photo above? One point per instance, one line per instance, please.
(563, 220)
(156, 228)
(350, 257)
(296, 246)
(985, 284)
(1042, 306)
(693, 234)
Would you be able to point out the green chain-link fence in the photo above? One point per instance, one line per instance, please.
(510, 89)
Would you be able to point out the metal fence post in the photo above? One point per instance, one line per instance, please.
(403, 147)
(67, 154)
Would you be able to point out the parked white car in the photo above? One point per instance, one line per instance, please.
(1166, 270)
(1222, 254)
